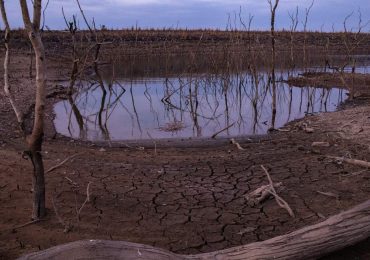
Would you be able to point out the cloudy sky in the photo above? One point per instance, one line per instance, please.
(197, 13)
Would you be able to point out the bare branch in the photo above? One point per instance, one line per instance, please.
(43, 15)
(65, 19)
(345, 22)
(86, 200)
(83, 16)
(294, 20)
(222, 130)
(62, 163)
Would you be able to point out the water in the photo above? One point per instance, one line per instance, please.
(189, 106)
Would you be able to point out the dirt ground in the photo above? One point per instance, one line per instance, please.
(187, 197)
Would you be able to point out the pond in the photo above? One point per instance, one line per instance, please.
(188, 106)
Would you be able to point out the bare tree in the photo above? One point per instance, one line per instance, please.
(352, 40)
(273, 8)
(305, 23)
(34, 136)
(293, 27)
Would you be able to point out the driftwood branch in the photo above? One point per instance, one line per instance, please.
(351, 161)
(232, 140)
(86, 200)
(280, 201)
(337, 232)
(261, 194)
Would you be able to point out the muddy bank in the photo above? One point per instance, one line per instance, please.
(187, 199)
(359, 81)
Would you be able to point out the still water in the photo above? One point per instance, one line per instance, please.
(188, 106)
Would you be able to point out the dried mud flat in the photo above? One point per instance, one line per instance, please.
(184, 198)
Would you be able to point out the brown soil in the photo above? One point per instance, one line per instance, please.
(187, 197)
(328, 80)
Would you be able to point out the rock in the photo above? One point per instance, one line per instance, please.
(309, 130)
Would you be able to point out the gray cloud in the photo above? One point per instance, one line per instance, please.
(194, 13)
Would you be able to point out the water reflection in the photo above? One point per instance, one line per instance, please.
(187, 106)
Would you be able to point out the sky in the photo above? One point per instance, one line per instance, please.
(193, 14)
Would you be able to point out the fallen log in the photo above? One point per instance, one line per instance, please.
(337, 232)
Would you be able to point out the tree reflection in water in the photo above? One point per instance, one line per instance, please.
(111, 109)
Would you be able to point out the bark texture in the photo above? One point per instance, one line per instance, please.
(34, 139)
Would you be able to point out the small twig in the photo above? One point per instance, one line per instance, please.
(328, 194)
(86, 200)
(237, 144)
(219, 132)
(62, 163)
(72, 182)
(280, 201)
(283, 130)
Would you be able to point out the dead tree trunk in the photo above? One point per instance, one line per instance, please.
(273, 8)
(34, 140)
(305, 23)
(337, 232)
